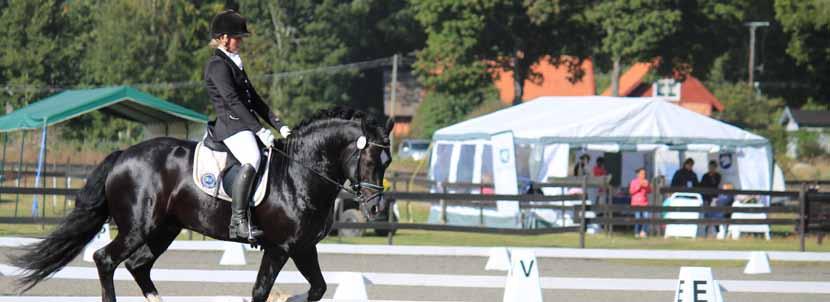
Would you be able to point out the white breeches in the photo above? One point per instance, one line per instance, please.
(244, 147)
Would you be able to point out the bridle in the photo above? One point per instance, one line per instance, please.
(356, 187)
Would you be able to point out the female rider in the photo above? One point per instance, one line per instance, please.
(237, 104)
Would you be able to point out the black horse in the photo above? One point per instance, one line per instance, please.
(148, 191)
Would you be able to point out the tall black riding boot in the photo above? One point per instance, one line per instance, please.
(240, 227)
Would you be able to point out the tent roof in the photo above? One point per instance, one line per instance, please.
(122, 101)
(601, 120)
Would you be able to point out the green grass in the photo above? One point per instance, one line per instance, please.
(571, 240)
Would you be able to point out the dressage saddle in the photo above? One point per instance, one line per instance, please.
(232, 165)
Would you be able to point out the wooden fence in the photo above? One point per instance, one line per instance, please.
(808, 211)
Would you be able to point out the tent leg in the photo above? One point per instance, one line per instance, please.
(38, 173)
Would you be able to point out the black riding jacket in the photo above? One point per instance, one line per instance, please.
(234, 98)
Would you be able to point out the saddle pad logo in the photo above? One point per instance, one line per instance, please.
(208, 180)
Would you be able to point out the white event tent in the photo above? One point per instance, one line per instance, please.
(642, 132)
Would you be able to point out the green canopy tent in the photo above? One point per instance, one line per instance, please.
(159, 117)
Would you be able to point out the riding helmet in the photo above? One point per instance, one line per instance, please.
(229, 22)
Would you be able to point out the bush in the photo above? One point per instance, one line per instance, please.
(808, 145)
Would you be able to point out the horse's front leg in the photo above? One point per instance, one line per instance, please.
(306, 262)
(272, 262)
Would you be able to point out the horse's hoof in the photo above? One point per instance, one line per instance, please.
(278, 296)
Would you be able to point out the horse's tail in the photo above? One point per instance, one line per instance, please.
(42, 259)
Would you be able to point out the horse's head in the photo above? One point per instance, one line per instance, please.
(365, 163)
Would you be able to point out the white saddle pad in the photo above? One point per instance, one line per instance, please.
(207, 164)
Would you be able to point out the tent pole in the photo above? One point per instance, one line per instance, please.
(19, 170)
(39, 171)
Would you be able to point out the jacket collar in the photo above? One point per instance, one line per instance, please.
(221, 54)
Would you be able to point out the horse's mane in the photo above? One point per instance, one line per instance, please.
(336, 113)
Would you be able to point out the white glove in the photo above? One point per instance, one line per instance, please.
(285, 131)
(265, 136)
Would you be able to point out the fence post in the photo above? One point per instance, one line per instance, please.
(391, 232)
(55, 186)
(443, 203)
(582, 225)
(658, 201)
(337, 213)
(19, 171)
(802, 213)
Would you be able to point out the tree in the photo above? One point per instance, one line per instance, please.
(41, 40)
(807, 22)
(468, 40)
(633, 30)
(291, 36)
(152, 42)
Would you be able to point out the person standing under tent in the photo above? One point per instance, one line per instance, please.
(711, 179)
(685, 176)
(581, 167)
(599, 171)
(639, 188)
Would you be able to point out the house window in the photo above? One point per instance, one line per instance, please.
(667, 88)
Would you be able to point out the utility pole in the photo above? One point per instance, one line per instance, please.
(392, 96)
(752, 26)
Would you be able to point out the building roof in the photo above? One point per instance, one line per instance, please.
(693, 94)
(810, 118)
(631, 79)
(555, 82)
(121, 101)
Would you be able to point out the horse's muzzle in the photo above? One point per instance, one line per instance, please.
(375, 208)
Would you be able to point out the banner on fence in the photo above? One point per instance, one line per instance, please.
(504, 170)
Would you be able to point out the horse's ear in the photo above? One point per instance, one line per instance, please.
(363, 126)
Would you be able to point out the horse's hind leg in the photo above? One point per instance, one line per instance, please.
(141, 262)
(109, 257)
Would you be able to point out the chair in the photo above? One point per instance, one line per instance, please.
(736, 229)
(681, 199)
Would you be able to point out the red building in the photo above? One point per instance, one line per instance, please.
(555, 82)
(689, 94)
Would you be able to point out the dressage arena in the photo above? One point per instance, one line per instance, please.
(190, 271)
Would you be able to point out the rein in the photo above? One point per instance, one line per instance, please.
(355, 189)
(324, 177)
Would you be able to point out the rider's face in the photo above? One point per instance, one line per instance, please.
(232, 43)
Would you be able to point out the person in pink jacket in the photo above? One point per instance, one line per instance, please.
(639, 190)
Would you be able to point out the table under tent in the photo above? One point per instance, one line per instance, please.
(541, 138)
(158, 117)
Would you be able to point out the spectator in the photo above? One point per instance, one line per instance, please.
(723, 200)
(639, 189)
(685, 176)
(580, 169)
(487, 185)
(599, 171)
(710, 180)
(599, 168)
